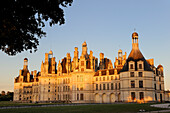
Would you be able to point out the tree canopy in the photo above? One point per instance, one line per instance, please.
(21, 22)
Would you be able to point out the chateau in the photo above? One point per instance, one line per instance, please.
(86, 79)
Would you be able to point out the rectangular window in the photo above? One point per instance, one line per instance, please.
(133, 95)
(132, 84)
(155, 96)
(119, 85)
(107, 86)
(111, 86)
(132, 74)
(103, 78)
(81, 97)
(140, 84)
(160, 87)
(96, 78)
(140, 66)
(116, 86)
(96, 86)
(140, 74)
(82, 63)
(77, 96)
(107, 77)
(63, 88)
(81, 87)
(111, 77)
(82, 69)
(104, 87)
(68, 88)
(131, 66)
(100, 87)
(155, 86)
(141, 95)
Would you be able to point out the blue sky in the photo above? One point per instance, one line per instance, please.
(106, 26)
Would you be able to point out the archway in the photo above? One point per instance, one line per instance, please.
(97, 98)
(112, 98)
(104, 98)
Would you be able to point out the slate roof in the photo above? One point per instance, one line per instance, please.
(136, 55)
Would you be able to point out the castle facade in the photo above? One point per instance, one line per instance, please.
(87, 79)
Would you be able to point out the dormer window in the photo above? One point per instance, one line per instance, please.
(140, 65)
(131, 66)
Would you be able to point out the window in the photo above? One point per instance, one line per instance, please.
(119, 85)
(140, 84)
(96, 78)
(103, 78)
(140, 66)
(81, 78)
(68, 80)
(133, 84)
(82, 63)
(131, 66)
(104, 87)
(68, 88)
(96, 86)
(141, 95)
(107, 86)
(154, 78)
(82, 69)
(140, 74)
(48, 90)
(155, 86)
(81, 96)
(133, 95)
(77, 96)
(160, 79)
(111, 86)
(63, 88)
(100, 87)
(111, 77)
(160, 87)
(155, 96)
(118, 62)
(107, 77)
(115, 85)
(81, 87)
(132, 74)
(58, 97)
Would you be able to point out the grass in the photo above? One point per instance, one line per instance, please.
(100, 108)
(11, 103)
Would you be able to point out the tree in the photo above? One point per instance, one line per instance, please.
(21, 22)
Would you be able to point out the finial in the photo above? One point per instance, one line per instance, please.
(134, 29)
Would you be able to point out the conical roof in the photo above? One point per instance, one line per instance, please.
(136, 55)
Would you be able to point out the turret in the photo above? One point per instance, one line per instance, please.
(25, 67)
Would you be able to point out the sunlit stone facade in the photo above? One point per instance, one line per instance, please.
(86, 79)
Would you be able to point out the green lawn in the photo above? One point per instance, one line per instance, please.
(101, 108)
(11, 103)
